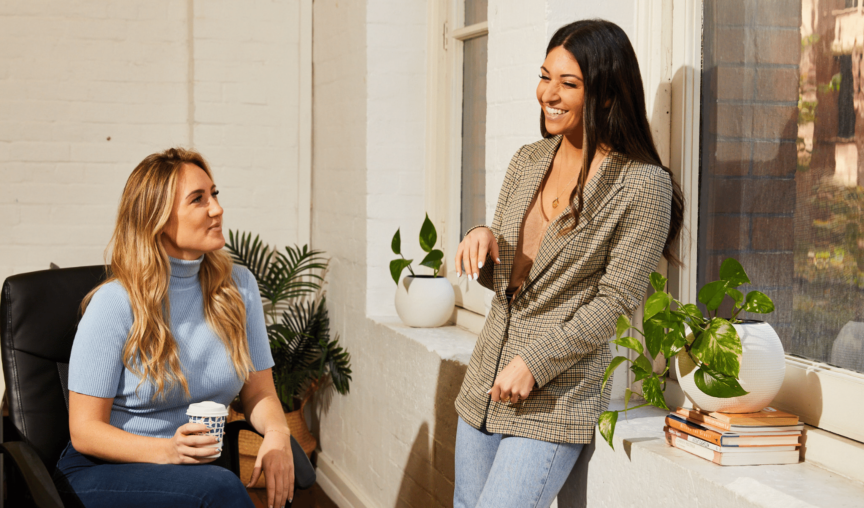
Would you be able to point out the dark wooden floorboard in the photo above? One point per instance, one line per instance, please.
(309, 498)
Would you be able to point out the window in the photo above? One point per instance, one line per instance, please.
(456, 138)
(781, 179)
(781, 185)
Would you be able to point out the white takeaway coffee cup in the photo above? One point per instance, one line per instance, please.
(213, 415)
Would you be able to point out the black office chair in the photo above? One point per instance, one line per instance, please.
(39, 313)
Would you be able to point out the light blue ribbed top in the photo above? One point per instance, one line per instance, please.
(96, 365)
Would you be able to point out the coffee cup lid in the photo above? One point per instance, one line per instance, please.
(207, 408)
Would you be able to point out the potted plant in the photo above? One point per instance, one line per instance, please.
(422, 301)
(298, 328)
(722, 364)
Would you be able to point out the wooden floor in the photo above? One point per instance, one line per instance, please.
(310, 498)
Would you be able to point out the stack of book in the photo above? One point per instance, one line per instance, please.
(736, 439)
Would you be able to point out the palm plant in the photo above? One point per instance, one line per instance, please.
(298, 325)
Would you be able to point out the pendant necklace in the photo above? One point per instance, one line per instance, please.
(557, 181)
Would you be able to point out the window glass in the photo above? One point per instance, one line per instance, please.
(476, 11)
(782, 127)
(474, 133)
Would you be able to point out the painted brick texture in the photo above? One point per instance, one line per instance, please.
(89, 88)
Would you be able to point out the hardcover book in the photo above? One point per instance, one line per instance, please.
(720, 437)
(734, 459)
(729, 449)
(738, 421)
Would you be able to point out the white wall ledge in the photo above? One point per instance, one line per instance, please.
(448, 342)
(640, 443)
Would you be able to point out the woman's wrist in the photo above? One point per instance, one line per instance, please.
(286, 431)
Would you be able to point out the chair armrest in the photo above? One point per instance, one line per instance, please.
(304, 473)
(38, 480)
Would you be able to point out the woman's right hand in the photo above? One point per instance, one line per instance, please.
(474, 249)
(189, 446)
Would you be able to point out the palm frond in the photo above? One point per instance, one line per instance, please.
(338, 365)
(299, 326)
(253, 254)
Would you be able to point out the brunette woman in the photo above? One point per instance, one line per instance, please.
(175, 323)
(582, 219)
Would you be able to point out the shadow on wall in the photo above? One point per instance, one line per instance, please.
(429, 473)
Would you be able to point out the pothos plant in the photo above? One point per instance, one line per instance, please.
(428, 238)
(671, 328)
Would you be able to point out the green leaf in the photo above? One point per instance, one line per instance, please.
(732, 272)
(606, 424)
(629, 342)
(719, 347)
(654, 334)
(673, 342)
(642, 368)
(428, 235)
(433, 260)
(628, 394)
(618, 360)
(396, 267)
(736, 295)
(658, 282)
(711, 294)
(653, 393)
(759, 303)
(396, 243)
(716, 384)
(656, 303)
(693, 312)
(622, 326)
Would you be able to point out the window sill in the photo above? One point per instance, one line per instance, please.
(802, 485)
(449, 342)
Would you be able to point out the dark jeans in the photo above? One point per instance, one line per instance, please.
(90, 482)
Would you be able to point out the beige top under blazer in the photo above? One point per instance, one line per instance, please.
(565, 313)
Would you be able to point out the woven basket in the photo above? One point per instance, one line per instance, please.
(249, 442)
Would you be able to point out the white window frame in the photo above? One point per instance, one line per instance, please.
(822, 395)
(445, 40)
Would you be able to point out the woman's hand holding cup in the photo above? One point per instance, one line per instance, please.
(473, 251)
(190, 445)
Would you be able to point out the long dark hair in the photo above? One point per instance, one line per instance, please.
(610, 74)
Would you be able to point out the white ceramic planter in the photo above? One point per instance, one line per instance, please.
(763, 366)
(424, 301)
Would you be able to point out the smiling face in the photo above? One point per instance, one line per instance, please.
(195, 225)
(561, 93)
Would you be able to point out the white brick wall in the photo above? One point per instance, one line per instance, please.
(75, 73)
(395, 133)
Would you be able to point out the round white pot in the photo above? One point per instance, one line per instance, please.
(763, 366)
(424, 301)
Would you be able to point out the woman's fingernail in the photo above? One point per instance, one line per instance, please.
(476, 276)
(498, 260)
(489, 391)
(480, 264)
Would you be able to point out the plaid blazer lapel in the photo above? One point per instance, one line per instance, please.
(534, 173)
(599, 191)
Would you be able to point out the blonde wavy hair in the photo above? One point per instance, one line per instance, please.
(141, 265)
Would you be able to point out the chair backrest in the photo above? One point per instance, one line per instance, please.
(39, 314)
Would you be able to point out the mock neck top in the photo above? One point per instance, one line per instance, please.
(96, 363)
(185, 269)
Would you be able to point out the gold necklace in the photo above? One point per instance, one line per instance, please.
(558, 181)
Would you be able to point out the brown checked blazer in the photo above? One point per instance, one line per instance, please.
(565, 313)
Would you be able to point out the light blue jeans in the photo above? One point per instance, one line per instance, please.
(495, 471)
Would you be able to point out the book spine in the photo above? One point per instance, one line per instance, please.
(693, 416)
(691, 448)
(711, 437)
(695, 440)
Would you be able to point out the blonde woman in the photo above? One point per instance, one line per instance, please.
(175, 323)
